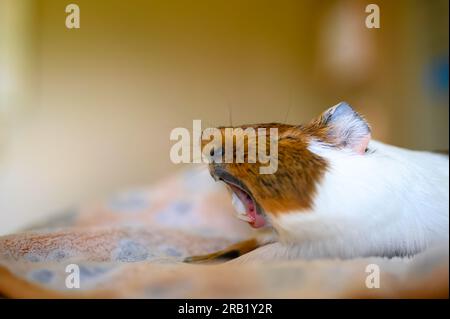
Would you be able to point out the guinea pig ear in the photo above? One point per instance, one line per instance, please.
(344, 127)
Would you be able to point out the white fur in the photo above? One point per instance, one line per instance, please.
(387, 202)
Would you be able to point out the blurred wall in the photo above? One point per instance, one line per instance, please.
(91, 109)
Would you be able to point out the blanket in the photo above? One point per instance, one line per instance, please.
(132, 245)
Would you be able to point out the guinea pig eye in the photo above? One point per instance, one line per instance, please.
(215, 152)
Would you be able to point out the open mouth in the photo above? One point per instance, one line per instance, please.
(246, 208)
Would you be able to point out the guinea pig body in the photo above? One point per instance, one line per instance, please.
(388, 202)
(336, 193)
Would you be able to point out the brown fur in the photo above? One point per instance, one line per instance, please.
(292, 187)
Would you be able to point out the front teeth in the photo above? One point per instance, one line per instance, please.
(239, 207)
(244, 218)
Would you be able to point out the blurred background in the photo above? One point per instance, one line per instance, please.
(87, 112)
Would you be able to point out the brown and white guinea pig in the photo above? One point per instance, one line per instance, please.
(337, 193)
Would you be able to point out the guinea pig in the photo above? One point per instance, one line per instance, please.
(336, 193)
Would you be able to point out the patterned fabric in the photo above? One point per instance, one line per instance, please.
(131, 246)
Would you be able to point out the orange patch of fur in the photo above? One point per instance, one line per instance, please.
(292, 187)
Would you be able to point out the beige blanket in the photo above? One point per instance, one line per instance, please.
(132, 246)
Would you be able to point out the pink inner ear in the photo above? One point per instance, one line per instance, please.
(361, 147)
